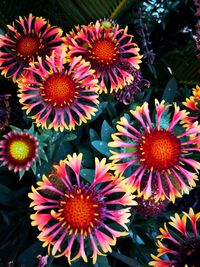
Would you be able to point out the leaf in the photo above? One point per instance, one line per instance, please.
(28, 257)
(102, 262)
(106, 131)
(170, 90)
(6, 196)
(102, 147)
(88, 174)
(93, 135)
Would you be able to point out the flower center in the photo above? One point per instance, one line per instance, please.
(189, 254)
(159, 149)
(28, 46)
(81, 211)
(104, 52)
(59, 89)
(19, 149)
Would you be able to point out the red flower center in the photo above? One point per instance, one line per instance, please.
(28, 46)
(104, 52)
(159, 149)
(20, 150)
(81, 211)
(59, 89)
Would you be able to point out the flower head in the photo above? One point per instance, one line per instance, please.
(4, 111)
(78, 213)
(18, 151)
(179, 241)
(59, 95)
(193, 104)
(156, 149)
(106, 47)
(28, 38)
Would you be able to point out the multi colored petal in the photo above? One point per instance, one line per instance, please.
(18, 151)
(156, 150)
(107, 48)
(77, 211)
(59, 95)
(28, 38)
(180, 242)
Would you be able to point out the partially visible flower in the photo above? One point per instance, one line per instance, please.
(59, 95)
(106, 47)
(42, 260)
(193, 104)
(128, 92)
(4, 111)
(80, 215)
(156, 149)
(19, 150)
(197, 4)
(150, 207)
(28, 38)
(179, 242)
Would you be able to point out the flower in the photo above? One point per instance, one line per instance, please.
(127, 94)
(4, 111)
(28, 38)
(106, 47)
(181, 242)
(80, 213)
(150, 207)
(59, 95)
(42, 260)
(193, 104)
(156, 149)
(18, 150)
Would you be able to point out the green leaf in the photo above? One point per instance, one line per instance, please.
(28, 257)
(93, 135)
(106, 131)
(88, 174)
(6, 196)
(102, 261)
(170, 90)
(102, 147)
(21, 174)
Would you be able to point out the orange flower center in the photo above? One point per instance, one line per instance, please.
(59, 89)
(81, 211)
(104, 51)
(28, 46)
(159, 149)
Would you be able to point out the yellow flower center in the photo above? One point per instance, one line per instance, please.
(19, 150)
(59, 89)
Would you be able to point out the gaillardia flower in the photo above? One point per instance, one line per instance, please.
(156, 149)
(77, 215)
(106, 47)
(18, 150)
(179, 242)
(28, 38)
(59, 95)
(4, 111)
(193, 104)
